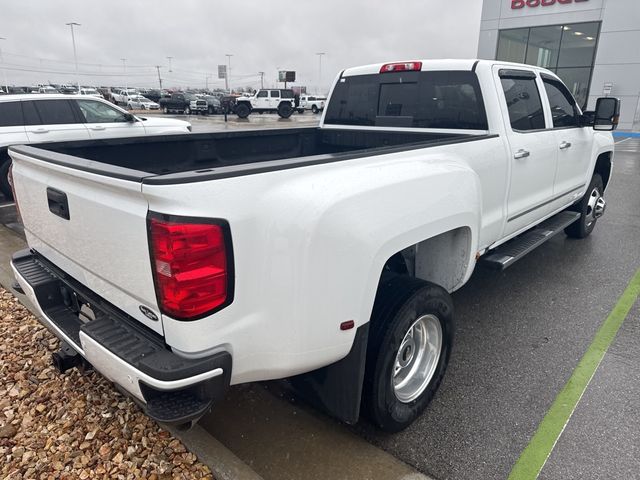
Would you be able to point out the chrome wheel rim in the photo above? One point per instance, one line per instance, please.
(417, 358)
(595, 207)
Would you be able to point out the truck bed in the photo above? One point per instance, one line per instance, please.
(204, 156)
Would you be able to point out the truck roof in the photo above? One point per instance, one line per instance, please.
(440, 64)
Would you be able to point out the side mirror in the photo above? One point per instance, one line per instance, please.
(607, 114)
(129, 118)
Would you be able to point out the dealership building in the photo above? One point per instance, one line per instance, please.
(593, 45)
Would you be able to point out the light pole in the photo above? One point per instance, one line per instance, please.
(319, 54)
(261, 79)
(159, 77)
(4, 72)
(228, 55)
(169, 58)
(206, 81)
(75, 54)
(124, 66)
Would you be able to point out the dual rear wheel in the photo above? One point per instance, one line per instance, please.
(410, 340)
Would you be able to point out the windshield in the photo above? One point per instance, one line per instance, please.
(409, 99)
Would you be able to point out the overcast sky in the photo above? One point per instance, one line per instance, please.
(261, 35)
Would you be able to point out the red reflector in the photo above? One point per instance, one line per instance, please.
(189, 267)
(348, 325)
(401, 67)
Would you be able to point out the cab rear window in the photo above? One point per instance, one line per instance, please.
(443, 99)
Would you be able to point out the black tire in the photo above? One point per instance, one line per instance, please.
(243, 110)
(285, 110)
(583, 227)
(5, 187)
(400, 301)
(165, 110)
(301, 110)
(210, 110)
(314, 109)
(187, 110)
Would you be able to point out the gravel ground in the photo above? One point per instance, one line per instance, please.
(73, 426)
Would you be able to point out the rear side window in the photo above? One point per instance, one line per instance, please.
(563, 110)
(55, 112)
(443, 99)
(275, 94)
(10, 114)
(523, 102)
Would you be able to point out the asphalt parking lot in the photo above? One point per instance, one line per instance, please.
(520, 335)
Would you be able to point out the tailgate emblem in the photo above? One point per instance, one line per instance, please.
(147, 312)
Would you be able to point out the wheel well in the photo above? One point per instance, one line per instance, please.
(442, 259)
(603, 167)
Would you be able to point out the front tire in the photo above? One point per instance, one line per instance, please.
(314, 109)
(165, 110)
(409, 346)
(187, 110)
(591, 207)
(5, 187)
(243, 110)
(285, 110)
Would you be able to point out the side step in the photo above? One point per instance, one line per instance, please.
(506, 255)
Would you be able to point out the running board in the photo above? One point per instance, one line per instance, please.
(509, 253)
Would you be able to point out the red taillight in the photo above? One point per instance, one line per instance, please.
(401, 67)
(190, 266)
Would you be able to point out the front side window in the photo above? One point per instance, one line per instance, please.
(523, 103)
(55, 112)
(98, 112)
(262, 94)
(10, 114)
(563, 111)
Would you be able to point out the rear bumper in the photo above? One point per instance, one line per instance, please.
(172, 389)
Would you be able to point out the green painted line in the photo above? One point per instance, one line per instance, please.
(535, 455)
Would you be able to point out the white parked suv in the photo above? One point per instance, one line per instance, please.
(32, 118)
(278, 101)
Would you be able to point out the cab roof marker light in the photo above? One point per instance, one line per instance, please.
(401, 67)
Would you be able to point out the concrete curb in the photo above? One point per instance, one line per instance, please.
(222, 462)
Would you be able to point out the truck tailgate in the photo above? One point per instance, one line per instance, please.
(91, 226)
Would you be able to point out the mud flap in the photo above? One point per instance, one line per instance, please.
(337, 388)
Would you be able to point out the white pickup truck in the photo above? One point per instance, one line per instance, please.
(179, 265)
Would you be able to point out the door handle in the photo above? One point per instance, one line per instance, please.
(98, 127)
(58, 203)
(565, 145)
(40, 130)
(521, 154)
